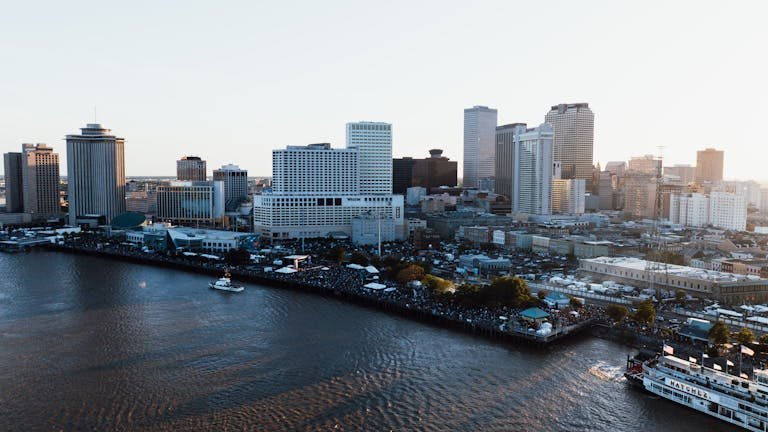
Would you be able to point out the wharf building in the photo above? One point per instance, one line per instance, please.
(316, 192)
(235, 185)
(709, 165)
(190, 202)
(479, 144)
(191, 168)
(429, 173)
(95, 174)
(727, 288)
(574, 129)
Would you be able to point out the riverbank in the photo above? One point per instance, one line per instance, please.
(347, 284)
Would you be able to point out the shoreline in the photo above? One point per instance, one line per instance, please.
(590, 328)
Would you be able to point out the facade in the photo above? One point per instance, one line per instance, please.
(689, 209)
(479, 144)
(373, 141)
(235, 184)
(532, 171)
(639, 194)
(40, 179)
(709, 165)
(647, 164)
(367, 229)
(429, 173)
(14, 183)
(616, 168)
(95, 173)
(605, 191)
(724, 287)
(505, 144)
(568, 196)
(190, 202)
(191, 168)
(728, 211)
(573, 126)
(685, 173)
(316, 191)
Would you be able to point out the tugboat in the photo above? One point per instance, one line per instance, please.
(225, 283)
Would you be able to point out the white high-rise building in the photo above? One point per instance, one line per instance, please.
(532, 172)
(722, 210)
(235, 184)
(479, 144)
(574, 126)
(316, 192)
(95, 173)
(728, 211)
(373, 140)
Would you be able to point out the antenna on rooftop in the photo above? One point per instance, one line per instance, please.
(95, 117)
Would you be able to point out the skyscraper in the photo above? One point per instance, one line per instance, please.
(709, 165)
(235, 184)
(429, 173)
(568, 196)
(40, 177)
(685, 173)
(648, 164)
(14, 185)
(95, 173)
(505, 145)
(532, 171)
(374, 143)
(574, 126)
(191, 168)
(479, 144)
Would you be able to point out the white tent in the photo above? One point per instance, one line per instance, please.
(371, 269)
(375, 286)
(355, 266)
(286, 270)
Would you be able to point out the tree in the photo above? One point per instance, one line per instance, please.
(719, 333)
(680, 296)
(745, 336)
(359, 258)
(507, 291)
(337, 254)
(237, 257)
(439, 285)
(542, 294)
(410, 273)
(764, 339)
(575, 302)
(646, 313)
(616, 312)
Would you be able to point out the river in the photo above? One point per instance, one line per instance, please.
(94, 344)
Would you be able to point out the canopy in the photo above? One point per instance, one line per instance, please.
(375, 286)
(355, 266)
(371, 269)
(286, 270)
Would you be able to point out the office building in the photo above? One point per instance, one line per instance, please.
(191, 168)
(190, 202)
(14, 183)
(95, 173)
(639, 191)
(728, 211)
(316, 193)
(368, 229)
(373, 140)
(573, 126)
(479, 144)
(605, 191)
(690, 209)
(647, 164)
(532, 171)
(429, 173)
(40, 179)
(503, 166)
(616, 168)
(681, 174)
(709, 165)
(235, 185)
(568, 196)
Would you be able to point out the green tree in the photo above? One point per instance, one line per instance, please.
(542, 294)
(616, 312)
(575, 302)
(507, 291)
(410, 273)
(719, 333)
(745, 336)
(680, 296)
(359, 258)
(646, 313)
(237, 257)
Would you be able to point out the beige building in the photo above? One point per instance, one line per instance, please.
(647, 164)
(191, 168)
(639, 194)
(574, 128)
(709, 165)
(40, 177)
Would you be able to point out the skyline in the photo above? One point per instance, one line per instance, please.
(249, 84)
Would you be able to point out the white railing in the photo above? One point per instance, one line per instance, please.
(730, 321)
(578, 293)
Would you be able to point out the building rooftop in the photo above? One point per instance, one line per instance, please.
(671, 269)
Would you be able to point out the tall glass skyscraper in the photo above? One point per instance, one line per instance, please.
(479, 144)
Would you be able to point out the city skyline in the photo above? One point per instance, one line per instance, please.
(168, 105)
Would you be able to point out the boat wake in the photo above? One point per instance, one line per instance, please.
(607, 372)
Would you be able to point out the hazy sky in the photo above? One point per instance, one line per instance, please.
(232, 80)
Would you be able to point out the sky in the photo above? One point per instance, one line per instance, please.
(231, 80)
